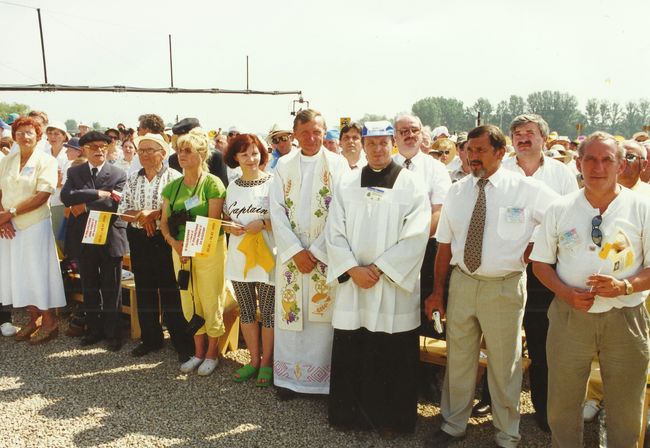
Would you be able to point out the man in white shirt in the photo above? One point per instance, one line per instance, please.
(598, 239)
(351, 147)
(484, 232)
(636, 157)
(528, 133)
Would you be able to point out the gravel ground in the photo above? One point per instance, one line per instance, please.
(61, 395)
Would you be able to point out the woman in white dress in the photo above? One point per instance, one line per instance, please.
(247, 204)
(30, 275)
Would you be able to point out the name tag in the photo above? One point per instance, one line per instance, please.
(569, 239)
(27, 171)
(515, 215)
(192, 202)
(374, 194)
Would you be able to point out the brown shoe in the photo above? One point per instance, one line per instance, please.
(25, 332)
(75, 331)
(44, 336)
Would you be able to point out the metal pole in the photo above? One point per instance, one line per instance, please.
(171, 63)
(478, 118)
(247, 73)
(40, 27)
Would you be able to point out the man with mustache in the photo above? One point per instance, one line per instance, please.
(484, 231)
(528, 133)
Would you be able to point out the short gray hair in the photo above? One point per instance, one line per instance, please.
(600, 136)
(404, 116)
(523, 119)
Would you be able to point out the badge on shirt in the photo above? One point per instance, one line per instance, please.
(192, 202)
(515, 215)
(569, 239)
(374, 194)
(27, 171)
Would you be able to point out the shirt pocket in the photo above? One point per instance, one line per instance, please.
(512, 223)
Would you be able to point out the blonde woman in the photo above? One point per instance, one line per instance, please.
(197, 193)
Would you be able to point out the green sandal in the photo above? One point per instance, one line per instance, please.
(245, 373)
(265, 377)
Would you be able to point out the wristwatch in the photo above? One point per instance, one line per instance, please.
(629, 289)
(12, 210)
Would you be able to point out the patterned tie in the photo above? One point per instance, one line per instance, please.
(407, 164)
(474, 240)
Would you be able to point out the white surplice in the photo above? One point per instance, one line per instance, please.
(387, 227)
(301, 358)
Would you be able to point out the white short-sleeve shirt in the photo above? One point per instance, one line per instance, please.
(552, 172)
(432, 172)
(515, 205)
(565, 238)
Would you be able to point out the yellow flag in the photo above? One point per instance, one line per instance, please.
(97, 227)
(256, 251)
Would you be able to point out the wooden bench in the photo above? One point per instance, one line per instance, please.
(434, 351)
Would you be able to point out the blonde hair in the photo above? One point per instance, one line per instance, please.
(198, 140)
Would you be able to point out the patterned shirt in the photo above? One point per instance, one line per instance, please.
(142, 194)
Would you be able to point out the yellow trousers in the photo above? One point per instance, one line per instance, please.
(208, 286)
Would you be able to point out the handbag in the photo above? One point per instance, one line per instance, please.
(196, 322)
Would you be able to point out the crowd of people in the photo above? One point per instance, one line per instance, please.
(341, 246)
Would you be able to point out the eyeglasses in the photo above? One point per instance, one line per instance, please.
(596, 234)
(147, 151)
(233, 134)
(439, 152)
(25, 134)
(282, 138)
(632, 157)
(406, 131)
(112, 137)
(186, 150)
(102, 147)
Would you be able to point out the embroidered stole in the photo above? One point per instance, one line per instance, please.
(288, 312)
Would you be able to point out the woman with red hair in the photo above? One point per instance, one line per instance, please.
(30, 275)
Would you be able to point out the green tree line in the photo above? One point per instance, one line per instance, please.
(559, 109)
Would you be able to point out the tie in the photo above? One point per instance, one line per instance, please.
(474, 241)
(94, 173)
(407, 164)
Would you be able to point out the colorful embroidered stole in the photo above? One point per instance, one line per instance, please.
(288, 311)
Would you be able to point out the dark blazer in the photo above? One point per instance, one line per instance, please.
(215, 162)
(79, 189)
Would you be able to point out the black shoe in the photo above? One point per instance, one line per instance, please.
(440, 439)
(114, 345)
(542, 422)
(285, 394)
(90, 339)
(144, 349)
(481, 409)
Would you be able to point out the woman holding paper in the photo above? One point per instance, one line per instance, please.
(151, 259)
(30, 275)
(251, 253)
(197, 194)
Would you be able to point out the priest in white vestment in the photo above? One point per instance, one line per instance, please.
(301, 194)
(377, 233)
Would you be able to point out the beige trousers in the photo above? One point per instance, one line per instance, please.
(494, 308)
(620, 339)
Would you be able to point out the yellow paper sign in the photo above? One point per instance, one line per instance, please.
(97, 227)
(344, 121)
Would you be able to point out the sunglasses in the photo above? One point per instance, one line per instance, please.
(233, 134)
(596, 233)
(282, 138)
(632, 157)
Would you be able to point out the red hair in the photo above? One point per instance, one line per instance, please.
(240, 144)
(26, 121)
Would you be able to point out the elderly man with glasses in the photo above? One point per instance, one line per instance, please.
(281, 140)
(636, 156)
(598, 241)
(97, 185)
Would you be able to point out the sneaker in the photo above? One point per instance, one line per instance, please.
(590, 411)
(7, 329)
(191, 364)
(208, 366)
